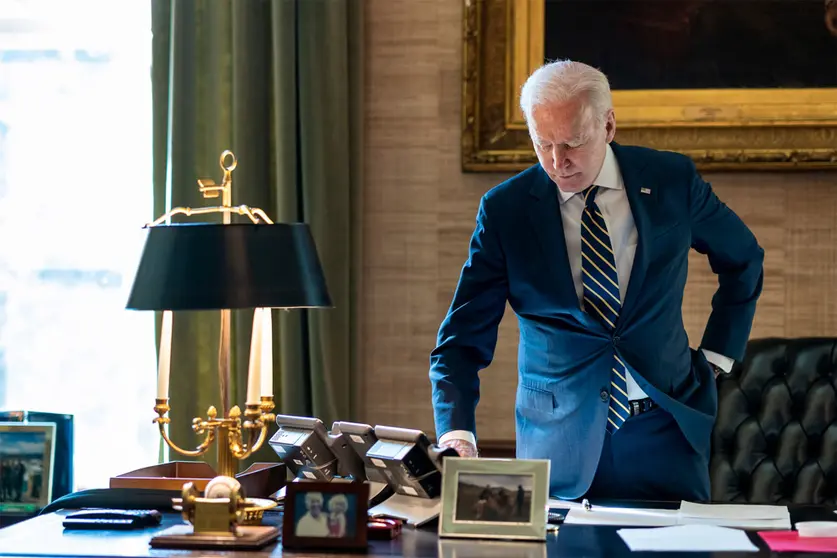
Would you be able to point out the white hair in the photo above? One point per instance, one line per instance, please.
(564, 80)
(311, 497)
(338, 499)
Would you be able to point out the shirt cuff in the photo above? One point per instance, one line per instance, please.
(724, 363)
(459, 435)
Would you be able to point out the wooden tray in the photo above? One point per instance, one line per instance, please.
(249, 538)
(260, 480)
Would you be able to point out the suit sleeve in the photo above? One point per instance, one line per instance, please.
(468, 335)
(737, 259)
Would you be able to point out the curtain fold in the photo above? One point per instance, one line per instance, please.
(280, 84)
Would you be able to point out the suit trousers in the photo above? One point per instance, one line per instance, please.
(650, 459)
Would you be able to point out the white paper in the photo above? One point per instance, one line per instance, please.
(733, 511)
(742, 516)
(754, 517)
(640, 517)
(415, 511)
(688, 538)
(557, 503)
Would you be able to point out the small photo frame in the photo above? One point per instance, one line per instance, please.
(26, 456)
(494, 498)
(323, 515)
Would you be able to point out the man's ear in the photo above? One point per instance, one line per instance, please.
(610, 125)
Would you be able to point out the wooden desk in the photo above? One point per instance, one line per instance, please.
(45, 536)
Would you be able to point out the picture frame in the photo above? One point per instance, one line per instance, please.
(720, 128)
(494, 498)
(325, 515)
(27, 452)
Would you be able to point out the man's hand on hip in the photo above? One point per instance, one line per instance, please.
(463, 447)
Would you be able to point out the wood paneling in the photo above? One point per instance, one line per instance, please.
(419, 211)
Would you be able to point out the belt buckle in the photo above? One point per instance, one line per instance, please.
(634, 408)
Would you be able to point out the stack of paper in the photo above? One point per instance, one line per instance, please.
(641, 517)
(720, 515)
(688, 538)
(735, 515)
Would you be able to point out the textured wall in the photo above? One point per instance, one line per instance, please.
(419, 211)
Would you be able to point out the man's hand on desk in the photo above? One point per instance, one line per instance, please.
(464, 447)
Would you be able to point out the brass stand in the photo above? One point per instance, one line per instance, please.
(215, 523)
(233, 444)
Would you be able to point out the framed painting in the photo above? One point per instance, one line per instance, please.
(734, 84)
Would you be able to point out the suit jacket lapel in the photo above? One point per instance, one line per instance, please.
(632, 176)
(548, 229)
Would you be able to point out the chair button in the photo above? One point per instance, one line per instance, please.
(615, 339)
(604, 395)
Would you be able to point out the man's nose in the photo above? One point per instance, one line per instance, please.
(559, 157)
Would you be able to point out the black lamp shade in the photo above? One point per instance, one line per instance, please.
(205, 266)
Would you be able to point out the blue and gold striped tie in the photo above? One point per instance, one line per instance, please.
(601, 296)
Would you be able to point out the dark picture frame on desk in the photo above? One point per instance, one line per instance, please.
(26, 460)
(706, 78)
(325, 515)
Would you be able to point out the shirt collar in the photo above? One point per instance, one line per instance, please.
(609, 176)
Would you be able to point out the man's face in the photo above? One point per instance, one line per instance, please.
(570, 143)
(315, 508)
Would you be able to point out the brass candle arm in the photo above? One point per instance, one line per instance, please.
(259, 418)
(162, 408)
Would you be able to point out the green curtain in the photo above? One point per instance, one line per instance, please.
(279, 83)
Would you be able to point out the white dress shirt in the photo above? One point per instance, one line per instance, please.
(613, 203)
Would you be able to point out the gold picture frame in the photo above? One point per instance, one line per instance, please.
(720, 129)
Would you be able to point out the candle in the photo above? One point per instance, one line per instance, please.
(267, 352)
(253, 377)
(164, 358)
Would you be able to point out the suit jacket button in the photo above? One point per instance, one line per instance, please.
(604, 395)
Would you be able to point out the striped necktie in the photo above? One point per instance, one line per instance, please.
(601, 297)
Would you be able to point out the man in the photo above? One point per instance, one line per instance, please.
(590, 249)
(521, 496)
(314, 523)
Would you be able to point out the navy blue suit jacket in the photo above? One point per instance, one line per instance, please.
(518, 255)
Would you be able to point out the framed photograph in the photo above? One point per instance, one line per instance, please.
(494, 498)
(325, 515)
(26, 456)
(739, 84)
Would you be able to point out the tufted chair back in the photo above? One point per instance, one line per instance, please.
(775, 440)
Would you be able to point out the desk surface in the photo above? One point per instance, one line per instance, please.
(44, 536)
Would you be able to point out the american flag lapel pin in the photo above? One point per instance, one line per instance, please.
(645, 190)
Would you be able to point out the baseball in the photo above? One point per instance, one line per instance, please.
(221, 487)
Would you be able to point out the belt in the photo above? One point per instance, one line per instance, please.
(639, 406)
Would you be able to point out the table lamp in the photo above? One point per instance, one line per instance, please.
(209, 266)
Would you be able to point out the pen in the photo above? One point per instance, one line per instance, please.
(586, 503)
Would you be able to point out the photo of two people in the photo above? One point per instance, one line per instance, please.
(325, 515)
(494, 498)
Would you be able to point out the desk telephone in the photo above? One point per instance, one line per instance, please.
(402, 459)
